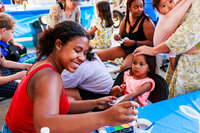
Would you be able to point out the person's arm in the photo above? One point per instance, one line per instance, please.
(88, 105)
(137, 92)
(10, 78)
(92, 31)
(55, 14)
(46, 96)
(11, 64)
(121, 30)
(187, 34)
(78, 15)
(15, 43)
(146, 50)
(148, 28)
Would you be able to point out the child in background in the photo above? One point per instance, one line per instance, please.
(137, 81)
(169, 22)
(103, 27)
(8, 85)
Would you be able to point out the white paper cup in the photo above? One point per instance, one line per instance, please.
(143, 124)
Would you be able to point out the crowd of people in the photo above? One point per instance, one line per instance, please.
(68, 80)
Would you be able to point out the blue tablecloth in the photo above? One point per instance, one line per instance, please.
(176, 115)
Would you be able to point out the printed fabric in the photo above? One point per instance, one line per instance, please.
(103, 35)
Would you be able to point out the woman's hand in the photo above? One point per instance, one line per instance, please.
(102, 103)
(20, 75)
(121, 113)
(117, 37)
(144, 50)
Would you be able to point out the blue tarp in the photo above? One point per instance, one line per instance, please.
(24, 19)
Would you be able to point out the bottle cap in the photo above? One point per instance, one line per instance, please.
(44, 130)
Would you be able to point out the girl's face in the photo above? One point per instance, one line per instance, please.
(165, 6)
(70, 4)
(73, 53)
(137, 7)
(7, 35)
(139, 67)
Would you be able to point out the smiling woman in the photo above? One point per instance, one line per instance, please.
(40, 100)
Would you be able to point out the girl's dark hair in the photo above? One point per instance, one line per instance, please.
(89, 54)
(65, 31)
(128, 5)
(105, 12)
(155, 3)
(151, 61)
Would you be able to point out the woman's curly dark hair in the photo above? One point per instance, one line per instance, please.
(65, 31)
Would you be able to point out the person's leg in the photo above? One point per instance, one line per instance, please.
(74, 93)
(127, 62)
(87, 95)
(111, 53)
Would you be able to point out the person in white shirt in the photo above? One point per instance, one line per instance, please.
(90, 81)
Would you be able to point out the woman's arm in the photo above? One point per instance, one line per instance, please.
(187, 34)
(47, 90)
(55, 14)
(78, 15)
(88, 105)
(121, 30)
(148, 28)
(162, 48)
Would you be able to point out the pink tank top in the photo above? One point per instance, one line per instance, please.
(133, 84)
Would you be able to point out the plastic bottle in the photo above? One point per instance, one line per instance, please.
(25, 4)
(44, 130)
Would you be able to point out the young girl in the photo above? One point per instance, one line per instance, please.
(8, 76)
(103, 27)
(137, 81)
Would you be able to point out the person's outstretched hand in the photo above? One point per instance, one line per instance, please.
(20, 75)
(102, 103)
(121, 113)
(117, 37)
(144, 50)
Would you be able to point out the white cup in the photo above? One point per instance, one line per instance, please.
(143, 124)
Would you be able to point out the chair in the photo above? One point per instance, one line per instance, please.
(43, 20)
(160, 91)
